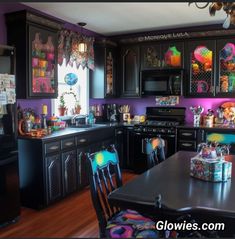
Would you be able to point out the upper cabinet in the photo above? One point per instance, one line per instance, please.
(103, 78)
(36, 40)
(225, 61)
(200, 70)
(157, 56)
(130, 71)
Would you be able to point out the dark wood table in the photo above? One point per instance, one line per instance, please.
(179, 191)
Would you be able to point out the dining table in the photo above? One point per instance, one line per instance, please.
(169, 186)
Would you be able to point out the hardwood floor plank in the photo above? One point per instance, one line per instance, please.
(72, 217)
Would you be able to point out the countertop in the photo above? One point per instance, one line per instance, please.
(75, 131)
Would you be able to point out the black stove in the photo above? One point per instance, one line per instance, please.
(162, 120)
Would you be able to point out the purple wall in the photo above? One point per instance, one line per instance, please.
(138, 105)
(11, 7)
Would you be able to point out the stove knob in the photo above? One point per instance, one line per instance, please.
(154, 130)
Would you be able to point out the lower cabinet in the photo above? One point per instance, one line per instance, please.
(51, 169)
(69, 172)
(53, 178)
(189, 138)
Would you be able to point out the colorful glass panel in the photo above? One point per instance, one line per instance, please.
(201, 70)
(227, 68)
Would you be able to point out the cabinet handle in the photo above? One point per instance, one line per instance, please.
(54, 147)
(69, 143)
(137, 89)
(119, 132)
(82, 140)
(187, 134)
(186, 144)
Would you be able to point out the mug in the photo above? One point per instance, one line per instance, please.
(202, 86)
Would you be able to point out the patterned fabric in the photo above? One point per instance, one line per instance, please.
(131, 224)
(68, 49)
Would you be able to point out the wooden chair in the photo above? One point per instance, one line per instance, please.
(154, 148)
(112, 221)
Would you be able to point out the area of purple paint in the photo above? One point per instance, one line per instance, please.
(36, 105)
(138, 106)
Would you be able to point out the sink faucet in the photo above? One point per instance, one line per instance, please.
(73, 119)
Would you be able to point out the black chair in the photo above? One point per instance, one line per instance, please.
(114, 222)
(154, 148)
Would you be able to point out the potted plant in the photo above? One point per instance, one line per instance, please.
(77, 107)
(62, 108)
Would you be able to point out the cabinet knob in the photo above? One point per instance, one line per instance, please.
(186, 144)
(82, 140)
(54, 147)
(69, 143)
(187, 134)
(119, 132)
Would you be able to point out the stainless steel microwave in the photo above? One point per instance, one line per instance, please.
(161, 82)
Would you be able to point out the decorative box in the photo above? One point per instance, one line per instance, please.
(214, 170)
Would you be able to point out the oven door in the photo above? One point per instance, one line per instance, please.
(138, 160)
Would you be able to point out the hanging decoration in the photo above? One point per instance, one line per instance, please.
(70, 79)
(68, 49)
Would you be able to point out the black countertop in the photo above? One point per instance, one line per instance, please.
(75, 131)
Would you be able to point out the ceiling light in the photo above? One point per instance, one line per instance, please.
(82, 46)
(228, 7)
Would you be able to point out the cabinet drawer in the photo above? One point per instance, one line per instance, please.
(187, 145)
(68, 143)
(187, 134)
(84, 139)
(52, 147)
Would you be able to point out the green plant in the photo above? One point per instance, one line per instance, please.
(62, 101)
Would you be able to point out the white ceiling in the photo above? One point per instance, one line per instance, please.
(121, 18)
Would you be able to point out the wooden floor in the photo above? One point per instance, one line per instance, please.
(72, 217)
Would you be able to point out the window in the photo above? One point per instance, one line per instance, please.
(80, 89)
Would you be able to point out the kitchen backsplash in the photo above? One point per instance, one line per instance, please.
(138, 106)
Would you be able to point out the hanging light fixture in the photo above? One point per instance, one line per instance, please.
(228, 7)
(82, 46)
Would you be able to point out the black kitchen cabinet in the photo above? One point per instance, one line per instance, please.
(36, 40)
(200, 68)
(189, 138)
(130, 71)
(119, 145)
(53, 178)
(225, 70)
(164, 55)
(103, 78)
(82, 177)
(58, 169)
(69, 171)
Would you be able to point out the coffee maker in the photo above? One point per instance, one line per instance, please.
(110, 113)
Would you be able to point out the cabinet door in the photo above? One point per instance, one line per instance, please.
(151, 57)
(130, 71)
(82, 176)
(110, 72)
(42, 62)
(200, 68)
(53, 175)
(172, 55)
(119, 137)
(69, 171)
(225, 61)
